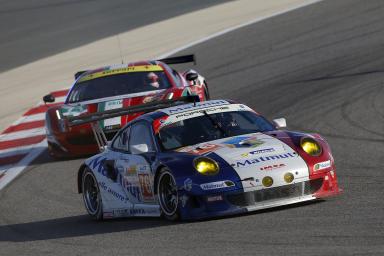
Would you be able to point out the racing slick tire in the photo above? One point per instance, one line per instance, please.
(91, 195)
(206, 92)
(167, 194)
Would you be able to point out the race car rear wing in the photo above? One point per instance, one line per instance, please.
(94, 118)
(170, 60)
(146, 107)
(179, 59)
(79, 73)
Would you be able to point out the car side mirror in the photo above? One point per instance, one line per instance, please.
(139, 148)
(280, 122)
(49, 98)
(191, 76)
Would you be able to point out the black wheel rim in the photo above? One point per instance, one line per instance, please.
(91, 194)
(168, 194)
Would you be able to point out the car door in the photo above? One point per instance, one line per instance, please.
(133, 163)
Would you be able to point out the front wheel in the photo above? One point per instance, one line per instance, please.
(167, 195)
(91, 195)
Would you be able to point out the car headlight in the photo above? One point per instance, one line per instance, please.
(206, 166)
(311, 146)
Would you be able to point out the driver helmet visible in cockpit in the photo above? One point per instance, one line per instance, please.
(152, 80)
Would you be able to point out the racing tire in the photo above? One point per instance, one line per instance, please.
(91, 195)
(206, 92)
(167, 195)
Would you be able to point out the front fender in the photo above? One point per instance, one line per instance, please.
(188, 179)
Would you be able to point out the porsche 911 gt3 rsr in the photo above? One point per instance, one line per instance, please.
(202, 160)
(115, 87)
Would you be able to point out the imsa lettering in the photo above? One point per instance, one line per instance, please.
(271, 167)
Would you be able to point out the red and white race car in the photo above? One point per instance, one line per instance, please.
(114, 87)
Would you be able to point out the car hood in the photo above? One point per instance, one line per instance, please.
(255, 156)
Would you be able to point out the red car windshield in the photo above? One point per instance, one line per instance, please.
(118, 84)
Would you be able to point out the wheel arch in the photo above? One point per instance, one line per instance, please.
(156, 178)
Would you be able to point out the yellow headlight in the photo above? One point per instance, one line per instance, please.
(311, 146)
(288, 177)
(267, 181)
(206, 166)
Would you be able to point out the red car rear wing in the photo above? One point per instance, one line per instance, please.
(98, 132)
(179, 59)
(147, 107)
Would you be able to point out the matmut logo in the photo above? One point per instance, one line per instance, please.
(262, 159)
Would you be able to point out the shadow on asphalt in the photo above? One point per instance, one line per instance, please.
(269, 210)
(45, 157)
(82, 225)
(75, 226)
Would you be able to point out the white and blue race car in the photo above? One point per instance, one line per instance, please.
(199, 160)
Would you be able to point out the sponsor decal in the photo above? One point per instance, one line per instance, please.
(201, 112)
(183, 112)
(217, 185)
(204, 149)
(131, 170)
(97, 165)
(127, 212)
(182, 108)
(244, 141)
(259, 151)
(272, 167)
(214, 198)
(122, 70)
(246, 163)
(188, 184)
(131, 188)
(73, 111)
(146, 187)
(115, 194)
(112, 123)
(322, 165)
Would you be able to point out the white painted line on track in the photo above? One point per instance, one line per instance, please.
(16, 169)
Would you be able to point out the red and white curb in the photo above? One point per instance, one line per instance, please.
(24, 140)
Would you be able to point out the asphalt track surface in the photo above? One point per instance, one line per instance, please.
(27, 36)
(321, 67)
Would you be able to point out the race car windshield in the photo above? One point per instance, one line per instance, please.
(119, 84)
(211, 127)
